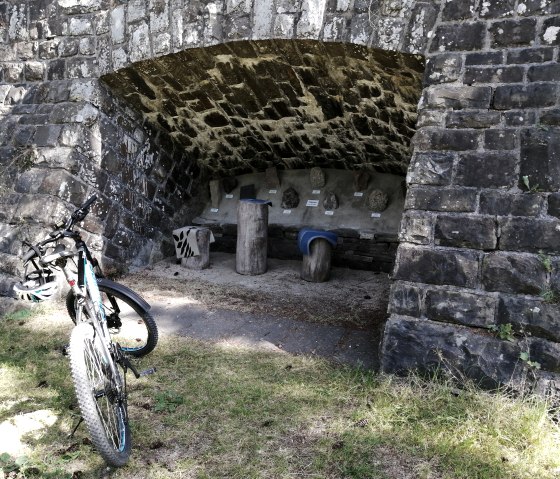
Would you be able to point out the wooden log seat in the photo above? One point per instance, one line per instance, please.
(316, 246)
(252, 236)
(192, 246)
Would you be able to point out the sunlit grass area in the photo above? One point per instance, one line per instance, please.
(221, 412)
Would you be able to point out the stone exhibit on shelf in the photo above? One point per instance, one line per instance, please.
(290, 199)
(215, 193)
(317, 177)
(361, 180)
(271, 179)
(377, 201)
(330, 201)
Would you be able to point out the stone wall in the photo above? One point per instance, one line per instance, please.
(480, 236)
(479, 240)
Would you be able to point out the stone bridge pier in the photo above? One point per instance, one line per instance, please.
(141, 102)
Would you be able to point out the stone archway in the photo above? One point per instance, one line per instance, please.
(487, 135)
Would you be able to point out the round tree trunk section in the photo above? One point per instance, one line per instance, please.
(202, 261)
(252, 238)
(316, 266)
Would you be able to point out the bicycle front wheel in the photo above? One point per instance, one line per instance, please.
(101, 396)
(130, 325)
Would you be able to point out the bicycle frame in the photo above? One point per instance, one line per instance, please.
(84, 286)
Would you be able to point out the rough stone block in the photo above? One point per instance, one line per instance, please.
(540, 158)
(493, 75)
(457, 98)
(443, 68)
(546, 353)
(513, 273)
(531, 315)
(506, 204)
(470, 309)
(549, 72)
(405, 300)
(441, 199)
(458, 10)
(459, 37)
(416, 228)
(484, 58)
(550, 117)
(554, 205)
(465, 232)
(453, 140)
(530, 55)
(486, 169)
(436, 266)
(510, 33)
(497, 9)
(534, 95)
(520, 118)
(472, 119)
(431, 168)
(551, 31)
(425, 346)
(530, 234)
(500, 139)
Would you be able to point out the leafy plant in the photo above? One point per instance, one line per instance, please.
(527, 183)
(546, 261)
(550, 296)
(504, 331)
(524, 356)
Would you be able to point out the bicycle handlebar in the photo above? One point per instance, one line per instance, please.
(60, 230)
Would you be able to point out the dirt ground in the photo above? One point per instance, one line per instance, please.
(351, 298)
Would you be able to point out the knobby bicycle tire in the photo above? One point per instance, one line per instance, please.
(137, 334)
(104, 413)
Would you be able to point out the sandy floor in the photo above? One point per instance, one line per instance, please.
(351, 298)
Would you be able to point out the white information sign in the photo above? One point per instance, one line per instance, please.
(214, 210)
(229, 196)
(287, 212)
(358, 193)
(329, 212)
(316, 192)
(312, 203)
(376, 215)
(272, 192)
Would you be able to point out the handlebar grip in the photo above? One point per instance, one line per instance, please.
(27, 256)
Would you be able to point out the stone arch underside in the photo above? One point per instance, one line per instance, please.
(245, 106)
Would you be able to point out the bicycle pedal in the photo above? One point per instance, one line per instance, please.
(147, 372)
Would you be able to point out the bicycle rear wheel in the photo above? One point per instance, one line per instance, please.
(131, 326)
(101, 396)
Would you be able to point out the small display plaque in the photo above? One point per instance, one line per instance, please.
(316, 192)
(376, 215)
(272, 192)
(312, 203)
(358, 193)
(329, 212)
(214, 210)
(287, 212)
(229, 196)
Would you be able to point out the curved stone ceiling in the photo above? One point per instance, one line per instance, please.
(244, 106)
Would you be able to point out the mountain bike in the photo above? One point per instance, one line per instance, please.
(111, 323)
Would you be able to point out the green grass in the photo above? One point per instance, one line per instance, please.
(217, 412)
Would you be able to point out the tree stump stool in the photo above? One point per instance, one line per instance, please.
(192, 245)
(252, 236)
(316, 246)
